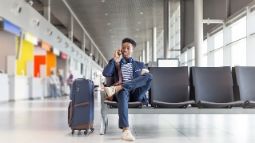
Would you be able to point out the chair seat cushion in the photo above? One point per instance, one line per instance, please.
(249, 104)
(206, 104)
(114, 104)
(161, 104)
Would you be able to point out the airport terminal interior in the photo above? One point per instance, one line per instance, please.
(59, 60)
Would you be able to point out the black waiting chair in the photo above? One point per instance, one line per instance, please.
(245, 80)
(170, 87)
(213, 87)
(113, 104)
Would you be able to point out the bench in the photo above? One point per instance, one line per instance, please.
(192, 94)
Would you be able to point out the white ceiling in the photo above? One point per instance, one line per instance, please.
(109, 21)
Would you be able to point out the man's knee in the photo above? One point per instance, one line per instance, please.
(149, 76)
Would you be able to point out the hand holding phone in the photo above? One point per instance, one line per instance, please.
(119, 52)
(117, 55)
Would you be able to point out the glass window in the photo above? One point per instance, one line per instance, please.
(204, 51)
(238, 29)
(218, 57)
(191, 57)
(218, 46)
(193, 52)
(218, 40)
(251, 23)
(183, 59)
(238, 53)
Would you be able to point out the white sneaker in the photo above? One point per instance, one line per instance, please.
(110, 91)
(144, 71)
(127, 136)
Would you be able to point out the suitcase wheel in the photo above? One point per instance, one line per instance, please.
(92, 130)
(85, 132)
(72, 132)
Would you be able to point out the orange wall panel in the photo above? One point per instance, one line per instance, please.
(38, 61)
(51, 62)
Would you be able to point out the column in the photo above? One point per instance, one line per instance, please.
(70, 32)
(47, 10)
(166, 28)
(147, 52)
(154, 44)
(84, 42)
(198, 31)
(91, 50)
(143, 55)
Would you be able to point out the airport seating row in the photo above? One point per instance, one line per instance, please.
(202, 87)
(194, 90)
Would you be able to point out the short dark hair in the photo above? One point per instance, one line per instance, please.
(129, 40)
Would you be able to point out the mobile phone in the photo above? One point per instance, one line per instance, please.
(119, 53)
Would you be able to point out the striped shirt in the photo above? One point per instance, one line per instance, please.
(127, 72)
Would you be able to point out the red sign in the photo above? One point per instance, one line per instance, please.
(64, 56)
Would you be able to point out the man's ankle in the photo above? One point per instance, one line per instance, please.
(118, 88)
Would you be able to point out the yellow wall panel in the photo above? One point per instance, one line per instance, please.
(26, 55)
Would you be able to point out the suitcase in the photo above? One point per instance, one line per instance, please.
(81, 107)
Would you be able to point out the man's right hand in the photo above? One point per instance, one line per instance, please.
(116, 56)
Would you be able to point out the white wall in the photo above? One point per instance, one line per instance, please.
(4, 96)
(21, 88)
(7, 48)
(36, 88)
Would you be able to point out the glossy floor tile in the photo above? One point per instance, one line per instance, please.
(45, 121)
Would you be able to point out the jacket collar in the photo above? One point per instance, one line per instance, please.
(124, 61)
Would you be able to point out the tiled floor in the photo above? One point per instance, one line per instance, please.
(45, 121)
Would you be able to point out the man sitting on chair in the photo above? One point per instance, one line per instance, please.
(131, 79)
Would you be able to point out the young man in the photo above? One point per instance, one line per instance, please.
(131, 79)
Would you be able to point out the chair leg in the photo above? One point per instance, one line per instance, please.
(104, 123)
(104, 120)
(103, 126)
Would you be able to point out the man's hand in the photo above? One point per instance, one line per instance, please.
(117, 55)
(144, 71)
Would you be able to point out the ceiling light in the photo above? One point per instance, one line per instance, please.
(141, 13)
(102, 1)
(58, 39)
(30, 2)
(139, 22)
(17, 9)
(106, 14)
(49, 32)
(137, 29)
(36, 22)
(109, 23)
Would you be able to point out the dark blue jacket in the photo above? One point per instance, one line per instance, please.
(110, 69)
